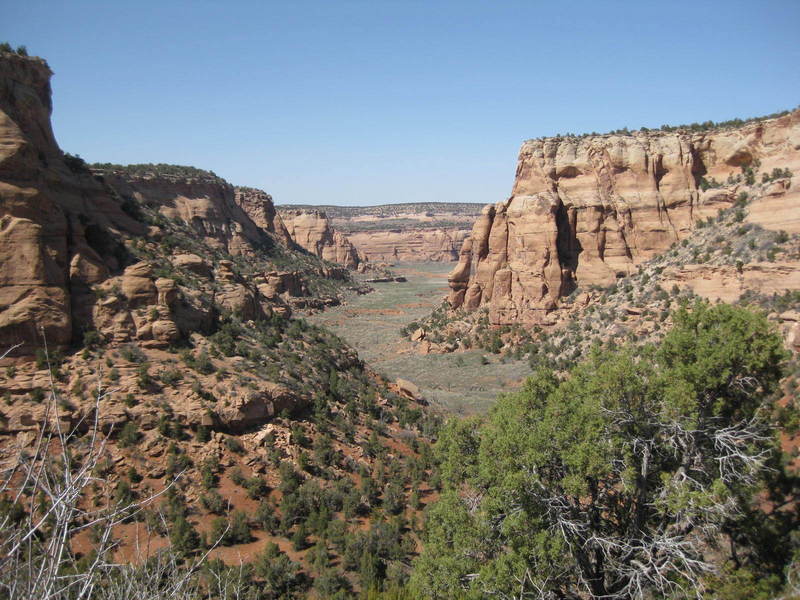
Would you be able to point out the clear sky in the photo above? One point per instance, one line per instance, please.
(371, 102)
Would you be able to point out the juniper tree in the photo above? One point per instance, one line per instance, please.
(619, 481)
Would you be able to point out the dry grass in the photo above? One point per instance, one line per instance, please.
(459, 383)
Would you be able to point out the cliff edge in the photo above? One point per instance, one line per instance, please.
(587, 210)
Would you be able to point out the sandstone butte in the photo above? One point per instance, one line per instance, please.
(62, 227)
(311, 230)
(587, 210)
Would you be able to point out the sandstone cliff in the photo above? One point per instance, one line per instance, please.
(234, 220)
(258, 205)
(59, 228)
(142, 253)
(588, 210)
(312, 231)
(164, 295)
(410, 232)
(409, 245)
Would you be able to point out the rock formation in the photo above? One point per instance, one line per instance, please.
(587, 210)
(727, 283)
(258, 205)
(312, 231)
(409, 244)
(235, 220)
(410, 232)
(78, 253)
(164, 296)
(59, 228)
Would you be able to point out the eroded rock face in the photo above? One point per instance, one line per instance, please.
(137, 306)
(312, 231)
(410, 232)
(276, 283)
(586, 210)
(58, 226)
(209, 204)
(236, 294)
(258, 205)
(728, 284)
(193, 263)
(255, 407)
(409, 245)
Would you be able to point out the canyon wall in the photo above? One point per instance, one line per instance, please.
(587, 210)
(239, 221)
(312, 231)
(258, 205)
(59, 228)
(409, 245)
(144, 253)
(385, 233)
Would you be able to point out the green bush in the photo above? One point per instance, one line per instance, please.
(170, 377)
(213, 502)
(265, 516)
(239, 532)
(234, 445)
(256, 487)
(132, 354)
(527, 491)
(184, 537)
(129, 435)
(203, 434)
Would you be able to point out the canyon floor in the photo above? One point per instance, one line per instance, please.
(462, 383)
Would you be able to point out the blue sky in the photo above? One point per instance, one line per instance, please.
(368, 102)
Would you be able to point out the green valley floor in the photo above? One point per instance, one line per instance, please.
(460, 383)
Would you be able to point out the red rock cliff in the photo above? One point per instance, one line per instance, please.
(258, 205)
(409, 245)
(57, 224)
(236, 220)
(584, 210)
(312, 230)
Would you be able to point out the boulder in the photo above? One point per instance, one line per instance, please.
(167, 291)
(138, 286)
(408, 389)
(165, 331)
(193, 263)
(255, 407)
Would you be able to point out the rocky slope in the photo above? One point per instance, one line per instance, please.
(157, 300)
(587, 210)
(66, 232)
(724, 259)
(236, 220)
(312, 231)
(140, 253)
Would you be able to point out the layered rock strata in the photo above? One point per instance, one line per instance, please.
(412, 232)
(409, 245)
(59, 228)
(312, 231)
(78, 254)
(258, 205)
(587, 210)
(236, 220)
